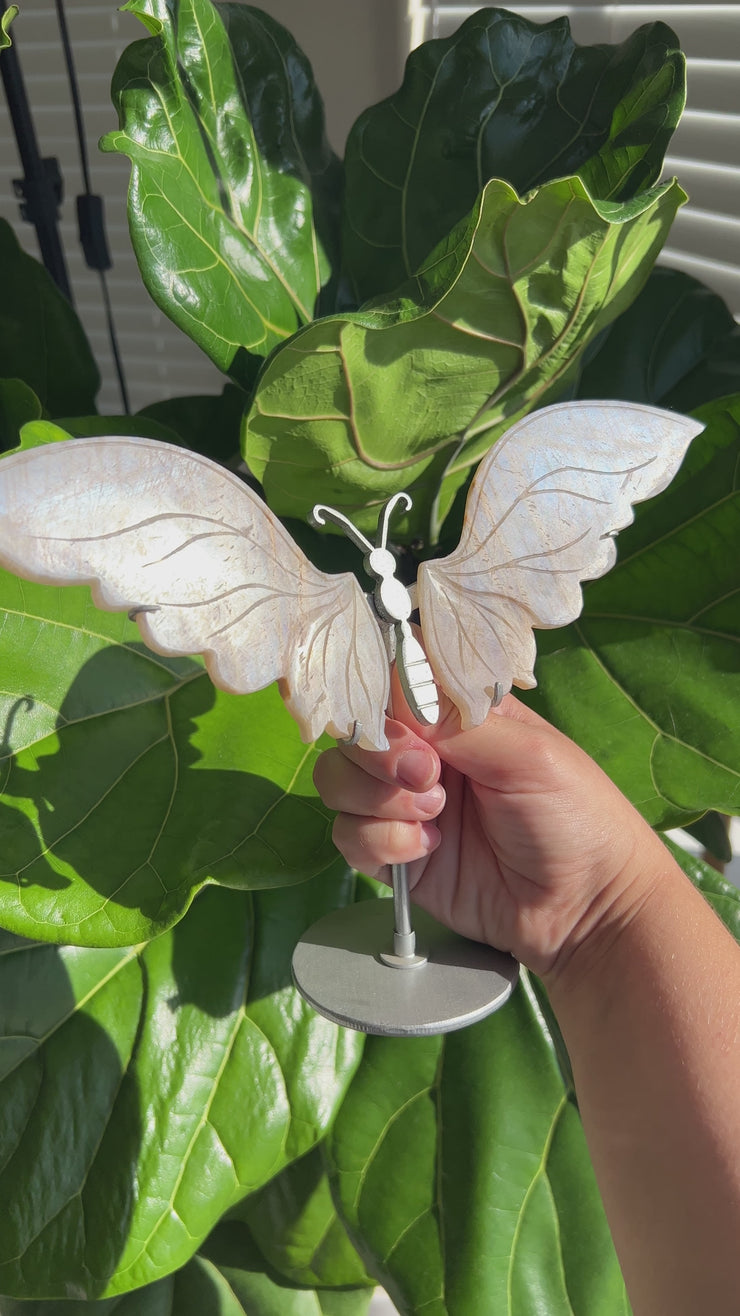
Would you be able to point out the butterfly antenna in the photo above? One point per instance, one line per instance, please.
(321, 514)
(381, 539)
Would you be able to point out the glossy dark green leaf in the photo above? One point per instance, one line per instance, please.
(146, 1090)
(41, 340)
(462, 1172)
(210, 425)
(716, 376)
(502, 98)
(18, 405)
(676, 346)
(229, 206)
(294, 1222)
(411, 394)
(127, 781)
(648, 680)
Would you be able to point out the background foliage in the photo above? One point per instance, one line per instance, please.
(180, 1133)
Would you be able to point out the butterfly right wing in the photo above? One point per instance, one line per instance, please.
(204, 567)
(540, 518)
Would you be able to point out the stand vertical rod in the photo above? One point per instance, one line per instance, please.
(404, 938)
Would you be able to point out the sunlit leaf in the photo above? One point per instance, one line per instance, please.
(411, 394)
(231, 196)
(127, 781)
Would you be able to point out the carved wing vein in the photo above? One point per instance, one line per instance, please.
(531, 490)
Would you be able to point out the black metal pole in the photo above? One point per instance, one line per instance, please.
(40, 188)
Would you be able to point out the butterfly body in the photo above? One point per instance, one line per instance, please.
(394, 606)
(205, 567)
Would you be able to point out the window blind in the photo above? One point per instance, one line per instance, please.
(705, 150)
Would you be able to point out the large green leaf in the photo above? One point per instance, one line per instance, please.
(145, 1090)
(648, 680)
(411, 393)
(502, 98)
(230, 202)
(677, 346)
(295, 1224)
(127, 781)
(462, 1171)
(206, 424)
(41, 340)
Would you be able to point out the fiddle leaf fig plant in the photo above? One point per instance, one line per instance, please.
(180, 1133)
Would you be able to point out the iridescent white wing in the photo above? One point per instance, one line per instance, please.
(204, 566)
(539, 519)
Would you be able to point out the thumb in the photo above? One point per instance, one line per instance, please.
(513, 749)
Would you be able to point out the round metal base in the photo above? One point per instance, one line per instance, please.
(337, 968)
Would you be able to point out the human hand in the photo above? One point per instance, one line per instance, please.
(512, 834)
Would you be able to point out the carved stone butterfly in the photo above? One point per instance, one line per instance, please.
(190, 552)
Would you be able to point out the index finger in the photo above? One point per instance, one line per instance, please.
(409, 762)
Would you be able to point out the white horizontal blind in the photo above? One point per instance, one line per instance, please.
(159, 360)
(705, 150)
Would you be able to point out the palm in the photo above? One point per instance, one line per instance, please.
(505, 871)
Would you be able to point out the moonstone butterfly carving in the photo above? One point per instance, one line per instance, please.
(204, 567)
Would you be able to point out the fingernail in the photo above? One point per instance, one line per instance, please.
(431, 801)
(430, 837)
(415, 769)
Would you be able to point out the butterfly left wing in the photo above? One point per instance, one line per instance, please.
(539, 519)
(204, 567)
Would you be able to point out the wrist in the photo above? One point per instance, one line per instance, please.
(624, 917)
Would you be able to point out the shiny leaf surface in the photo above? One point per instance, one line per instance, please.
(230, 201)
(41, 340)
(462, 1172)
(411, 394)
(127, 781)
(648, 680)
(502, 98)
(145, 1090)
